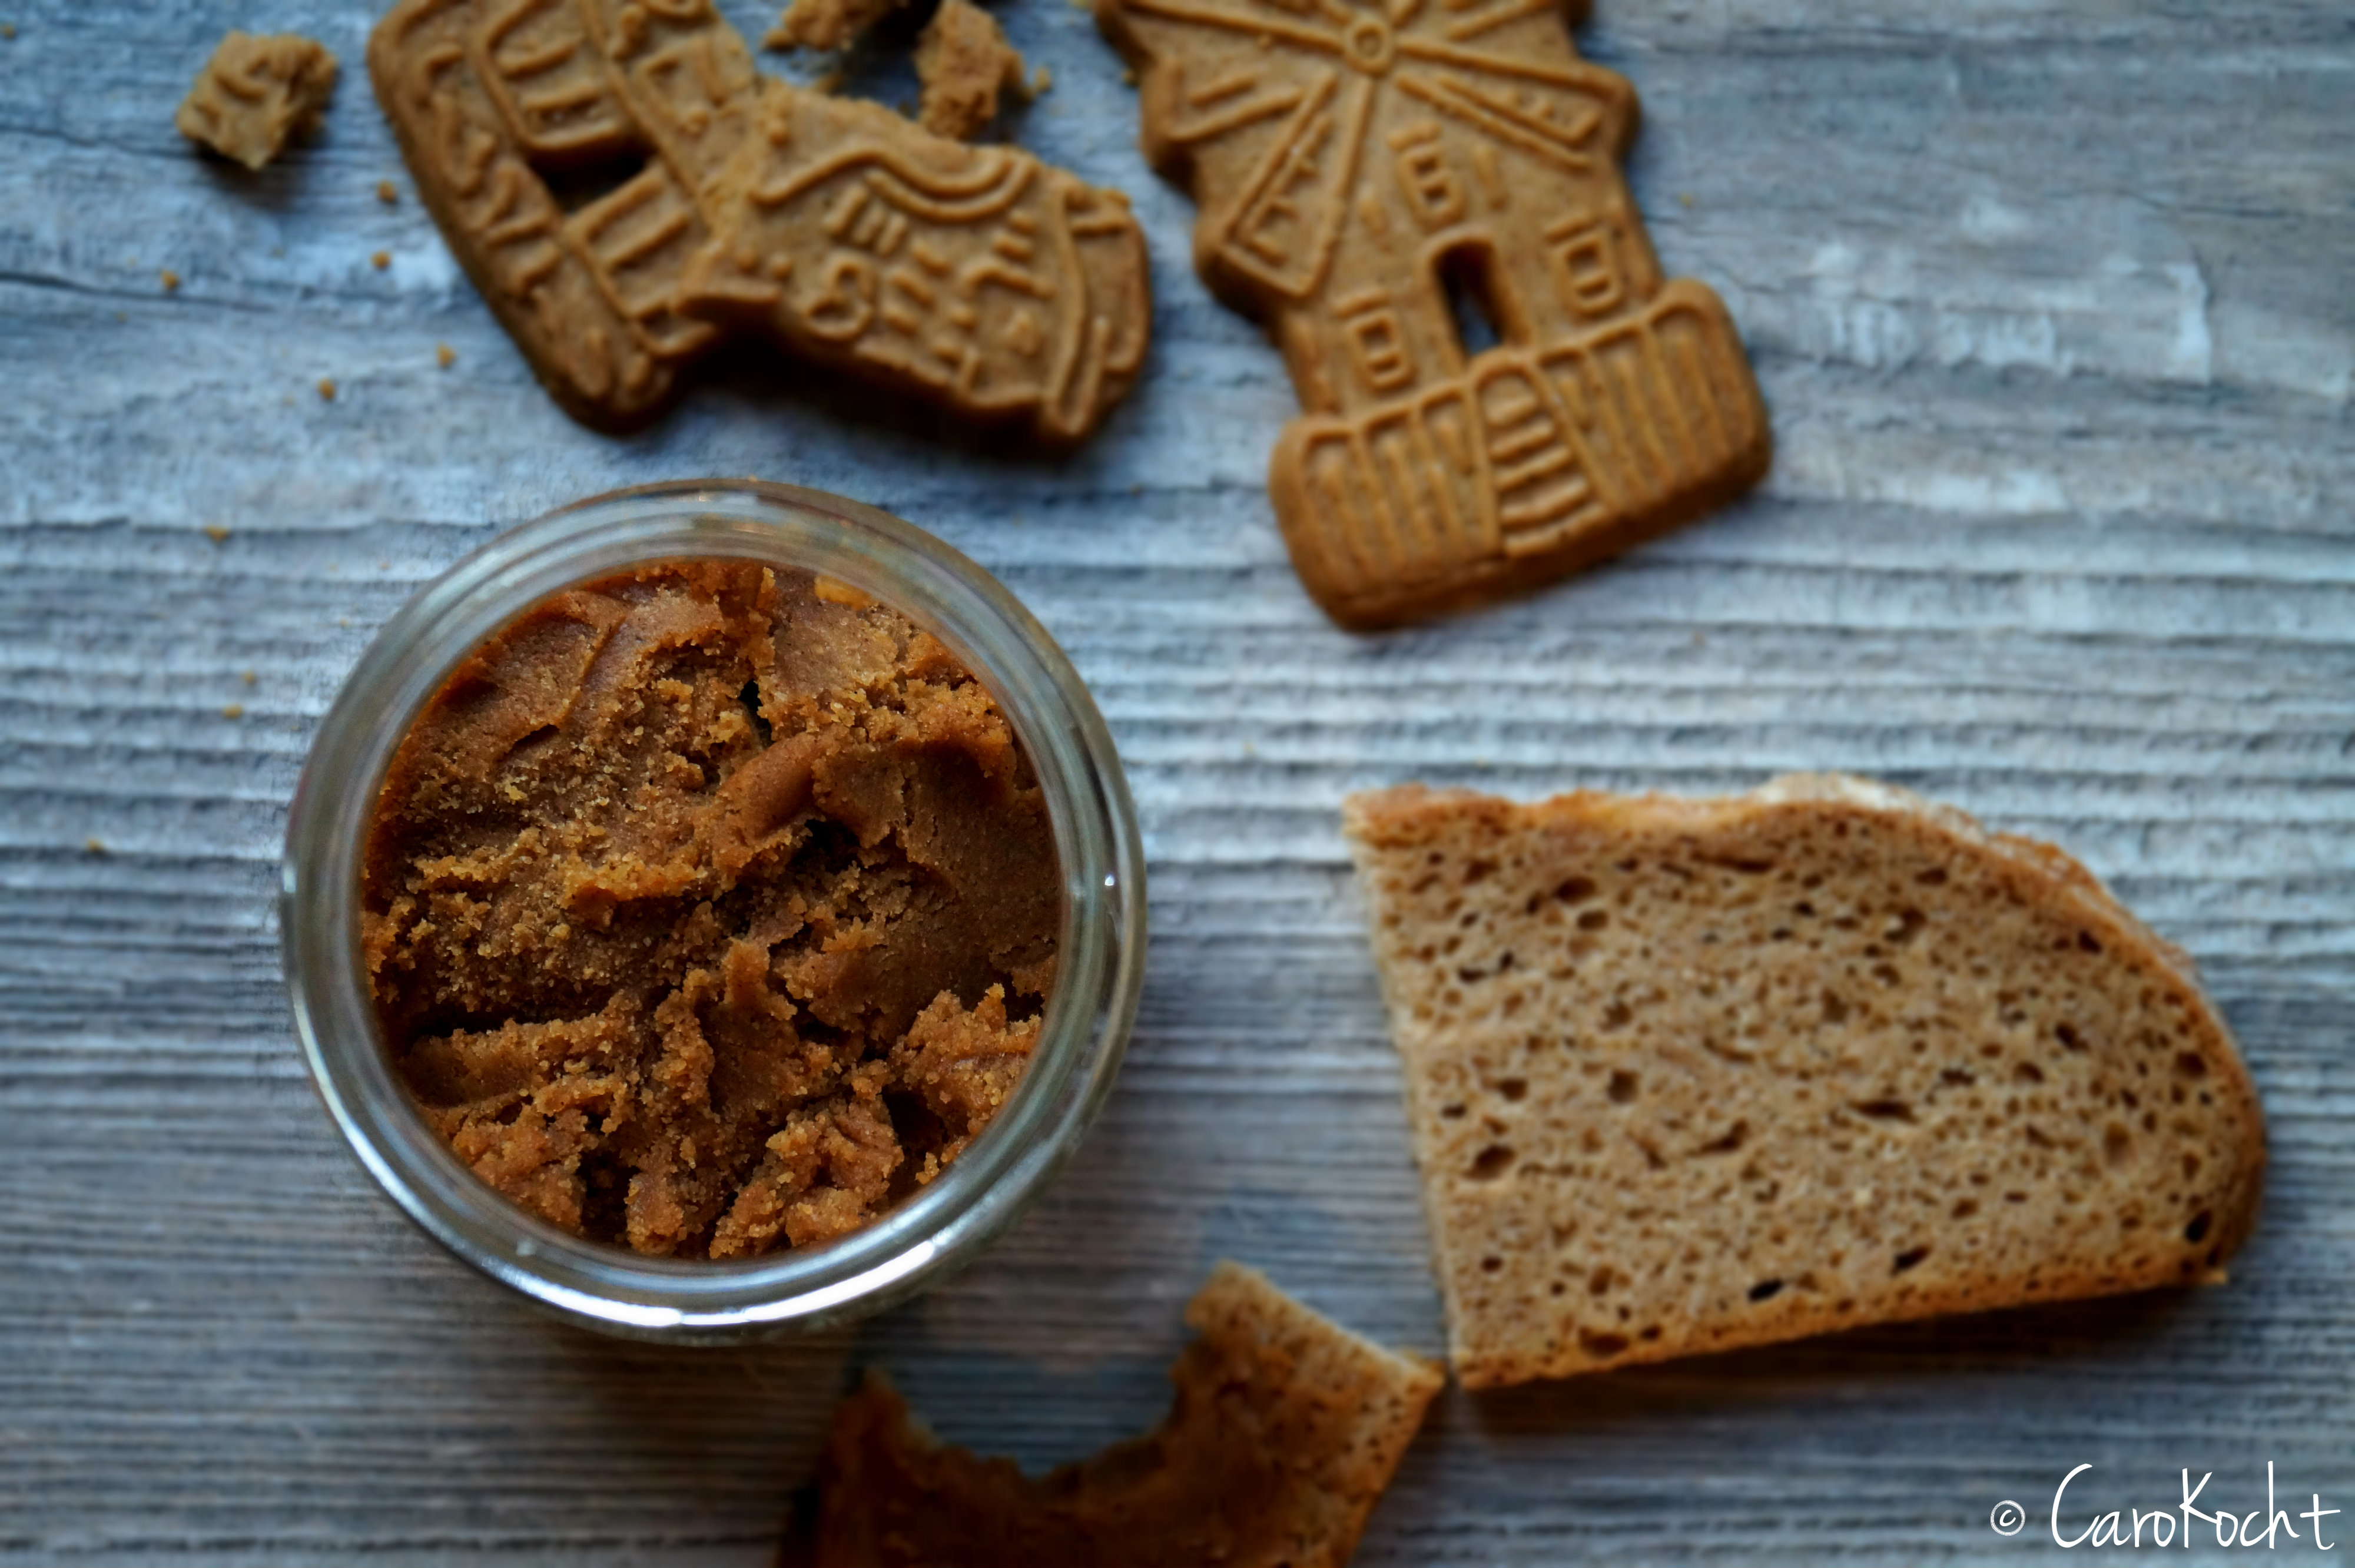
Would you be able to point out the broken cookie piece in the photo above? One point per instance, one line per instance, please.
(257, 92)
(964, 62)
(975, 278)
(1285, 1431)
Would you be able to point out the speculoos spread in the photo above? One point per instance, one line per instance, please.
(710, 909)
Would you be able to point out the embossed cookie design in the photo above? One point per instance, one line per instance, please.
(626, 190)
(1386, 183)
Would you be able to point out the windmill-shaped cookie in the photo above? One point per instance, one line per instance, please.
(1375, 174)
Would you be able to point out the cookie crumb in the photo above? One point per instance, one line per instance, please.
(1684, 199)
(387, 193)
(1043, 80)
(171, 281)
(964, 62)
(248, 676)
(215, 532)
(381, 259)
(1128, 77)
(444, 356)
(825, 24)
(95, 845)
(255, 93)
(233, 710)
(326, 389)
(7, 29)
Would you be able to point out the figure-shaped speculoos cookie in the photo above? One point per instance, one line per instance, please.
(976, 277)
(1368, 171)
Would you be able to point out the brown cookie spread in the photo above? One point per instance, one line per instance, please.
(710, 909)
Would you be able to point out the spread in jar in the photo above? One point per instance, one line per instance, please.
(710, 907)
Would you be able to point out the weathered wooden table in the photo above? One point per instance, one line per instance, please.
(2054, 308)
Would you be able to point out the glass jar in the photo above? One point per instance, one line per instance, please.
(1100, 960)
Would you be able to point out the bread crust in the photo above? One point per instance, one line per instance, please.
(1430, 831)
(1286, 1430)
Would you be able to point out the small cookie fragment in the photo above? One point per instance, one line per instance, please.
(964, 62)
(1426, 207)
(1285, 1431)
(255, 93)
(1687, 1075)
(825, 24)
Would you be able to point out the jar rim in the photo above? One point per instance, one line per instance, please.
(1099, 959)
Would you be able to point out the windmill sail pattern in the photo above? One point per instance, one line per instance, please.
(1370, 170)
(626, 190)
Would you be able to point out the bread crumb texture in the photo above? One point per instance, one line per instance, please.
(255, 93)
(705, 916)
(1688, 1075)
(1286, 1430)
(964, 63)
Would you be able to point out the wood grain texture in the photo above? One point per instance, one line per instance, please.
(2050, 303)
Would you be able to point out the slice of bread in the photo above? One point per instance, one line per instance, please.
(1286, 1429)
(1690, 1074)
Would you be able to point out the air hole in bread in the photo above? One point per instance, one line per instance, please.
(1513, 1088)
(1623, 1089)
(1907, 1259)
(1602, 1345)
(2117, 1144)
(2189, 1064)
(1594, 920)
(1492, 1163)
(2197, 1231)
(1576, 890)
(1766, 1290)
(1886, 1110)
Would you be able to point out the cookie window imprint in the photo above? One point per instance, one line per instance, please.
(713, 906)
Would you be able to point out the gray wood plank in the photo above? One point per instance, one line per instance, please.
(2050, 304)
